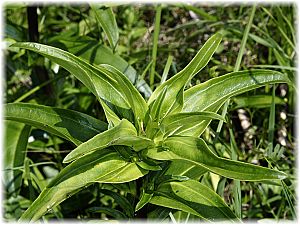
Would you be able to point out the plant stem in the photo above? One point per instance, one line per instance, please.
(155, 43)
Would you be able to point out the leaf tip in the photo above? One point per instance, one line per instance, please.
(67, 159)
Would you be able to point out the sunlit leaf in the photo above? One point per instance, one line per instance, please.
(106, 19)
(193, 197)
(195, 150)
(71, 125)
(178, 81)
(102, 140)
(104, 166)
(15, 146)
(102, 81)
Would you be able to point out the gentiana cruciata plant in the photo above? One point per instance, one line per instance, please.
(155, 142)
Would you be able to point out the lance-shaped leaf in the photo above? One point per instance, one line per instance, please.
(121, 201)
(193, 197)
(186, 123)
(93, 52)
(101, 166)
(111, 117)
(136, 142)
(135, 100)
(144, 199)
(106, 19)
(196, 151)
(71, 125)
(103, 140)
(178, 81)
(153, 116)
(184, 168)
(101, 81)
(211, 94)
(15, 145)
(156, 106)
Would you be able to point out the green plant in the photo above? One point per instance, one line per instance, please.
(154, 145)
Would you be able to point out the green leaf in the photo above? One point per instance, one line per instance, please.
(195, 150)
(193, 197)
(180, 167)
(136, 101)
(148, 166)
(71, 125)
(111, 117)
(121, 201)
(186, 124)
(106, 19)
(179, 81)
(101, 166)
(109, 211)
(90, 50)
(210, 95)
(257, 101)
(159, 214)
(102, 140)
(153, 116)
(156, 106)
(104, 82)
(15, 146)
(145, 198)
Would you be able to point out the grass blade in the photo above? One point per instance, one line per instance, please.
(155, 43)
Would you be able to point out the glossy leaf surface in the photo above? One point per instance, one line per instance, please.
(186, 124)
(102, 140)
(144, 199)
(193, 197)
(100, 80)
(195, 150)
(15, 146)
(106, 19)
(178, 81)
(184, 168)
(74, 126)
(93, 52)
(101, 166)
(211, 94)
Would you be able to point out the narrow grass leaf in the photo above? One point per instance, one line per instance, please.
(155, 43)
(166, 69)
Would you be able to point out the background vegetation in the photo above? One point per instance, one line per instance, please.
(263, 134)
